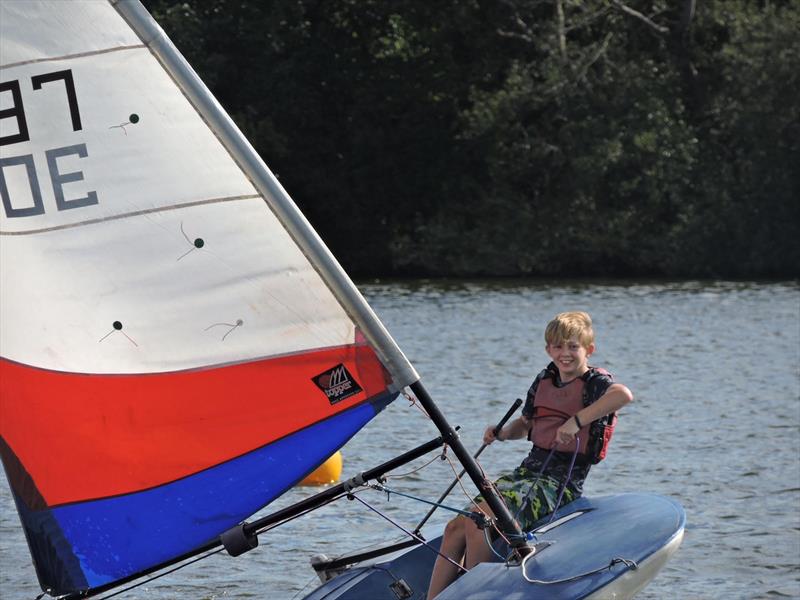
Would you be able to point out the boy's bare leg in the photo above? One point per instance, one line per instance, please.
(454, 543)
(462, 539)
(478, 549)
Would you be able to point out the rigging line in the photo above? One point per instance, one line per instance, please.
(631, 564)
(477, 507)
(463, 489)
(491, 546)
(163, 574)
(407, 532)
(301, 590)
(535, 481)
(301, 514)
(427, 464)
(501, 534)
(517, 403)
(413, 402)
(381, 488)
(563, 486)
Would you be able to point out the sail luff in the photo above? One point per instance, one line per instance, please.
(267, 184)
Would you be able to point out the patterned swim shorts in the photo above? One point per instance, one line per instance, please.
(540, 502)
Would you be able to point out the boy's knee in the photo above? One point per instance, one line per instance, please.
(454, 526)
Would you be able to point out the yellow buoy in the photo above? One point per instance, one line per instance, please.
(327, 472)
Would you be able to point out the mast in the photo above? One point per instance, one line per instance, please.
(504, 518)
(267, 184)
(311, 244)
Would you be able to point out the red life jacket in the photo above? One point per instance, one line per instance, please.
(553, 406)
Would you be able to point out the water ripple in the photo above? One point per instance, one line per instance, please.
(715, 367)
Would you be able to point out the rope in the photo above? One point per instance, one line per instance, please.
(562, 488)
(499, 532)
(631, 564)
(301, 590)
(297, 516)
(427, 464)
(407, 532)
(478, 509)
(472, 515)
(413, 402)
(533, 485)
(164, 573)
(491, 546)
(461, 485)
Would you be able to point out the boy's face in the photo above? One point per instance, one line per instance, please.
(570, 356)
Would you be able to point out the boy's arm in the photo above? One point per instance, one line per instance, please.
(516, 429)
(615, 398)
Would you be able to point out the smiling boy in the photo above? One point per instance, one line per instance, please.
(569, 398)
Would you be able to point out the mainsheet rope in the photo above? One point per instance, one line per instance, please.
(631, 564)
(561, 489)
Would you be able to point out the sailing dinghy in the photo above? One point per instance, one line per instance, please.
(178, 347)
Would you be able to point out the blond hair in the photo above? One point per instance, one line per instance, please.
(567, 325)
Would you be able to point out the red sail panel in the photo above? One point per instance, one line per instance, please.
(84, 436)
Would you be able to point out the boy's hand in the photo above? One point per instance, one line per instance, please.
(566, 433)
(489, 435)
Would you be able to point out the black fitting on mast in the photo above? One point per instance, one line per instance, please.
(450, 436)
(238, 541)
(504, 518)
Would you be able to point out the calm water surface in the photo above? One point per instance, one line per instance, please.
(715, 368)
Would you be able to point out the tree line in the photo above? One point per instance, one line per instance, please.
(520, 137)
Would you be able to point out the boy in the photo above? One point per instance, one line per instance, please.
(567, 398)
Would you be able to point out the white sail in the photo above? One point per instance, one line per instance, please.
(170, 324)
(109, 211)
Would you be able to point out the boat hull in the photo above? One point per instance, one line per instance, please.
(576, 558)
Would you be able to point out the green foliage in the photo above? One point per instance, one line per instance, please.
(520, 137)
(745, 220)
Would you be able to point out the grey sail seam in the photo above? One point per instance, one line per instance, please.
(136, 213)
(71, 56)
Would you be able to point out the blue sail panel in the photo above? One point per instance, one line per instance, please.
(96, 543)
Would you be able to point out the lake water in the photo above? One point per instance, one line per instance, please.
(715, 369)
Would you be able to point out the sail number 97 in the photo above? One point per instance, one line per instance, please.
(35, 205)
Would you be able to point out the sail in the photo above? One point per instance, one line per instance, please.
(177, 346)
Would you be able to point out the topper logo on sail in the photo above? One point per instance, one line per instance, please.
(337, 383)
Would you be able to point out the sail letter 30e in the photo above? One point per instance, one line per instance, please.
(24, 164)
